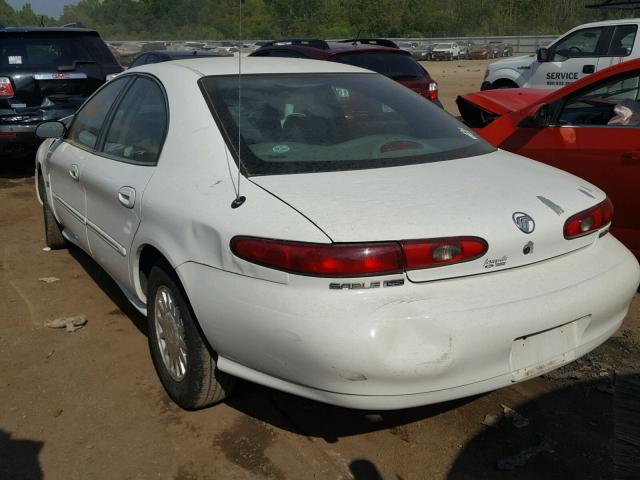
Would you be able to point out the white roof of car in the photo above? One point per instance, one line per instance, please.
(623, 21)
(250, 65)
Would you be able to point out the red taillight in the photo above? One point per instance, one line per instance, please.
(432, 91)
(589, 221)
(325, 260)
(6, 89)
(357, 259)
(442, 251)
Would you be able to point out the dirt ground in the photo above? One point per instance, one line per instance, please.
(88, 405)
(456, 78)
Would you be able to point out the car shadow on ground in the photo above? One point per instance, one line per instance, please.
(19, 457)
(314, 419)
(21, 167)
(109, 287)
(587, 430)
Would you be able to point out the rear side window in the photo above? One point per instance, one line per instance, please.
(623, 40)
(52, 49)
(393, 65)
(139, 123)
(141, 60)
(87, 123)
(296, 123)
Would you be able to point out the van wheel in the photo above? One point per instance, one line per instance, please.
(181, 355)
(52, 230)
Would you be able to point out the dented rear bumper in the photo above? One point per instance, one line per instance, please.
(414, 344)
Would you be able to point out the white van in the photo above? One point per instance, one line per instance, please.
(580, 52)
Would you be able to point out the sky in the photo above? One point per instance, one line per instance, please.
(52, 8)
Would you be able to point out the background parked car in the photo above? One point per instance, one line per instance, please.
(377, 54)
(482, 52)
(166, 56)
(507, 50)
(589, 128)
(496, 48)
(465, 48)
(423, 52)
(446, 51)
(46, 74)
(580, 52)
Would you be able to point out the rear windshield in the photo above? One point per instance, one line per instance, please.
(52, 50)
(297, 123)
(394, 65)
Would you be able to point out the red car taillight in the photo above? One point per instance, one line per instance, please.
(442, 251)
(6, 89)
(356, 259)
(589, 221)
(432, 91)
(326, 260)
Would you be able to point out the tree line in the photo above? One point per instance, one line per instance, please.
(265, 19)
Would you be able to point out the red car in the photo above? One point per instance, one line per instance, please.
(590, 128)
(378, 54)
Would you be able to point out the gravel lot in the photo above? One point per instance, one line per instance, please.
(88, 405)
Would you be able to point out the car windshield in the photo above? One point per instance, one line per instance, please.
(27, 50)
(297, 123)
(442, 45)
(398, 66)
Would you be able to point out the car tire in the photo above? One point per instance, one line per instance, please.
(181, 355)
(52, 230)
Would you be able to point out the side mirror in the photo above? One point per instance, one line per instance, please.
(539, 118)
(544, 55)
(54, 129)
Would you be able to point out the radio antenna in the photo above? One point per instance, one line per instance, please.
(239, 200)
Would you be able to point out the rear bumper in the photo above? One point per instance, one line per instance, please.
(18, 140)
(418, 343)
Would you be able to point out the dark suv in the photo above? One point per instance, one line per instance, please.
(377, 54)
(46, 74)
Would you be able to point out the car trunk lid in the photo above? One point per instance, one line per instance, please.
(479, 196)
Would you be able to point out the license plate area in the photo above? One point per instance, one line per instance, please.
(538, 353)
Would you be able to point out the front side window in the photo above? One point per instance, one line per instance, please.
(296, 123)
(614, 103)
(138, 127)
(87, 123)
(583, 43)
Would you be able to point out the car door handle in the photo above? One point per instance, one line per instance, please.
(632, 156)
(127, 196)
(588, 69)
(74, 173)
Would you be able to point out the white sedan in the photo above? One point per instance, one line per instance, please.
(327, 232)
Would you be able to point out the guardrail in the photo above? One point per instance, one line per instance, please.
(522, 44)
